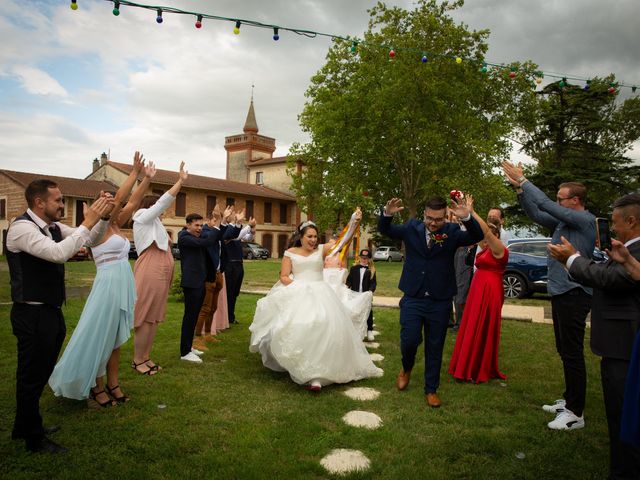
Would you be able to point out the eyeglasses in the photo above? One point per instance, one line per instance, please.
(560, 199)
(434, 220)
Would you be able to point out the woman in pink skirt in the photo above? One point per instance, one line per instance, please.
(153, 273)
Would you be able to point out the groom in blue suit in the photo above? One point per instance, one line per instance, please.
(428, 282)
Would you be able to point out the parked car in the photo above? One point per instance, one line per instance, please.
(252, 250)
(388, 254)
(526, 271)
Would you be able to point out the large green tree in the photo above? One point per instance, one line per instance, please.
(583, 134)
(385, 127)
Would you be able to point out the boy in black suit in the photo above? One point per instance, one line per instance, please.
(362, 278)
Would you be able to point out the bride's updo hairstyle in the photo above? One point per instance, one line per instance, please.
(295, 240)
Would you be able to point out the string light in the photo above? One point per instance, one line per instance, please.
(425, 56)
(116, 8)
(612, 88)
(513, 73)
(587, 86)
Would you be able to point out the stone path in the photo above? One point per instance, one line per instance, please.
(343, 461)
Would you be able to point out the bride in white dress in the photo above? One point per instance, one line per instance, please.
(302, 327)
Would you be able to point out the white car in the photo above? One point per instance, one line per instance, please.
(388, 254)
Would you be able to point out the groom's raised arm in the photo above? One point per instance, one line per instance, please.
(385, 227)
(473, 234)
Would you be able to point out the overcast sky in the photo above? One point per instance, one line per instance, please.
(76, 83)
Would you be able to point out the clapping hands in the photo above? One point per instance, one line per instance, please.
(393, 206)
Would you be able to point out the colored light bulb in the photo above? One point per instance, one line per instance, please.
(276, 37)
(199, 21)
(538, 80)
(392, 53)
(116, 8)
(236, 29)
(424, 58)
(159, 17)
(458, 60)
(484, 68)
(354, 47)
(563, 82)
(74, 5)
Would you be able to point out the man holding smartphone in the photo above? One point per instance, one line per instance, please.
(570, 301)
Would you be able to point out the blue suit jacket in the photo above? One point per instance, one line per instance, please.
(430, 270)
(216, 250)
(195, 263)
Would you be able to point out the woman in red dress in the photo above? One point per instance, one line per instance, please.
(475, 355)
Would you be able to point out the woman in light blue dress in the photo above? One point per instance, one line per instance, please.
(107, 318)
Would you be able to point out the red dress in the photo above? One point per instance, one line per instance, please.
(475, 355)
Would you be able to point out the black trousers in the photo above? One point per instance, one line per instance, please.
(624, 458)
(569, 312)
(40, 331)
(193, 298)
(233, 275)
(370, 320)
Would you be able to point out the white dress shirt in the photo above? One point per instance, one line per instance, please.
(577, 254)
(147, 226)
(25, 236)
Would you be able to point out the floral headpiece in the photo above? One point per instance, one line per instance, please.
(306, 224)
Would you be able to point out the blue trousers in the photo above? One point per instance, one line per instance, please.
(432, 316)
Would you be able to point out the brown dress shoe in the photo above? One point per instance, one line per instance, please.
(402, 382)
(211, 338)
(198, 344)
(433, 400)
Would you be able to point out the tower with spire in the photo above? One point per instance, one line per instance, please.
(246, 148)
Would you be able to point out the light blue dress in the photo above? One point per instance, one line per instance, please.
(105, 323)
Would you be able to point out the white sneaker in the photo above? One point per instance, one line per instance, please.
(557, 406)
(566, 420)
(197, 352)
(370, 337)
(191, 357)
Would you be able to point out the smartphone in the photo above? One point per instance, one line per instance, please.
(603, 235)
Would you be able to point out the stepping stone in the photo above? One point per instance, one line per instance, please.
(362, 393)
(342, 461)
(373, 345)
(376, 357)
(359, 418)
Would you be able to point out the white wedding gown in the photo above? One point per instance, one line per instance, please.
(358, 304)
(304, 329)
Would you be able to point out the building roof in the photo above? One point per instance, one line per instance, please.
(169, 177)
(268, 161)
(70, 187)
(250, 124)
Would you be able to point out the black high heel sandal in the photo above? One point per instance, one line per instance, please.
(152, 371)
(94, 396)
(121, 399)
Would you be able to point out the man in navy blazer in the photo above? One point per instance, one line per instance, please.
(197, 268)
(428, 282)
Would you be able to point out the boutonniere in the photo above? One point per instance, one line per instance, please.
(438, 238)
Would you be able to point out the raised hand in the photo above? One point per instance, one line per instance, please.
(470, 201)
(460, 208)
(240, 217)
(138, 162)
(561, 251)
(183, 174)
(150, 170)
(228, 212)
(252, 222)
(358, 214)
(512, 172)
(618, 253)
(393, 206)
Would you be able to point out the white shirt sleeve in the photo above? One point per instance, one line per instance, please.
(571, 259)
(25, 236)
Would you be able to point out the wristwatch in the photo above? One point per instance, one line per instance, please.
(521, 179)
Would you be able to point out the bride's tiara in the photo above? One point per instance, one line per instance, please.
(306, 224)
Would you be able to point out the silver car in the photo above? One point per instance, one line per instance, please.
(388, 254)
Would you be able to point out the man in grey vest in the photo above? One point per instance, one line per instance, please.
(37, 247)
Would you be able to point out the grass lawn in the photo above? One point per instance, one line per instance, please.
(232, 418)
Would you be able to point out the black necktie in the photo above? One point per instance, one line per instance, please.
(55, 232)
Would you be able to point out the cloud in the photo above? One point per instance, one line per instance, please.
(38, 82)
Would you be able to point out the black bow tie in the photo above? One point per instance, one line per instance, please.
(363, 266)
